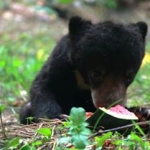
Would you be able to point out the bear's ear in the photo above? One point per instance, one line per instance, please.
(77, 25)
(143, 28)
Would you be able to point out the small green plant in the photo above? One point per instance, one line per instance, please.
(42, 136)
(65, 1)
(22, 59)
(78, 132)
(100, 140)
(133, 142)
(45, 132)
(49, 2)
(108, 3)
(29, 120)
(138, 92)
(22, 144)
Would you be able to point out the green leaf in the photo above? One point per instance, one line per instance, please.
(27, 147)
(36, 143)
(16, 62)
(136, 138)
(85, 131)
(138, 128)
(64, 140)
(2, 108)
(65, 1)
(2, 63)
(45, 131)
(77, 115)
(80, 141)
(13, 143)
(111, 4)
(100, 140)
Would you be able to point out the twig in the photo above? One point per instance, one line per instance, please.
(42, 147)
(54, 143)
(118, 128)
(3, 128)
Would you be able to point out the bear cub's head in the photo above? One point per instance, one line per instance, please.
(108, 56)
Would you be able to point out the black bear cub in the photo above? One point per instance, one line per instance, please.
(91, 66)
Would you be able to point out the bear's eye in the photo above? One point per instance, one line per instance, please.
(96, 76)
(129, 77)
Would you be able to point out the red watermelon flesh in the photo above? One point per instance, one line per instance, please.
(119, 111)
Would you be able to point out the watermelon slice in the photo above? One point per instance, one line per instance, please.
(114, 117)
(119, 112)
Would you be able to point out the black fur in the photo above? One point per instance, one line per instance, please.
(92, 59)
